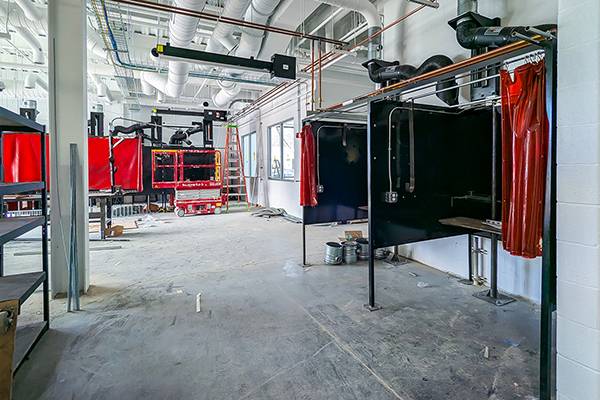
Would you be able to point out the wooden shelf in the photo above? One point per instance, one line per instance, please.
(27, 337)
(20, 286)
(12, 122)
(22, 187)
(12, 228)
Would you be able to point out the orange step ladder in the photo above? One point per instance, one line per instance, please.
(235, 193)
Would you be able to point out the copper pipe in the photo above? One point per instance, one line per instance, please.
(227, 20)
(266, 97)
(330, 54)
(450, 68)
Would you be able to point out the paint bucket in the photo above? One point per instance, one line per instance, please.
(333, 253)
(363, 248)
(350, 251)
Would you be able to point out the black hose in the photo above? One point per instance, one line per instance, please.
(135, 128)
(472, 36)
(391, 72)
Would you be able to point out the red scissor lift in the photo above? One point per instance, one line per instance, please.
(194, 174)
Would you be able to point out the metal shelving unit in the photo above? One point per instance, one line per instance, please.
(21, 286)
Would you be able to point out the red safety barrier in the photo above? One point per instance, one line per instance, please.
(21, 160)
(308, 177)
(524, 158)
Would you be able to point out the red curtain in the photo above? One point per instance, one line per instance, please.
(21, 160)
(21, 157)
(128, 163)
(524, 158)
(308, 173)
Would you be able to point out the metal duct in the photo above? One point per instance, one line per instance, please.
(222, 37)
(182, 30)
(228, 91)
(30, 10)
(96, 44)
(32, 79)
(152, 80)
(259, 12)
(250, 43)
(34, 44)
(102, 90)
(367, 10)
(474, 31)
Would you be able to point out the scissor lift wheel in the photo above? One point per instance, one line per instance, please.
(180, 212)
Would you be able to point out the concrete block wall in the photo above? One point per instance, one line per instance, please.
(578, 196)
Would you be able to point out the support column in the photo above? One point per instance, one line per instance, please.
(67, 31)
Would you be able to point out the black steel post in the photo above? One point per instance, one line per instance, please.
(494, 160)
(303, 243)
(549, 233)
(494, 266)
(372, 306)
(470, 249)
(44, 207)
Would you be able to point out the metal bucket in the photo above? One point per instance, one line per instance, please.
(350, 251)
(381, 253)
(333, 253)
(363, 248)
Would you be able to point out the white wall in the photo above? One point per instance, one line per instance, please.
(293, 104)
(578, 195)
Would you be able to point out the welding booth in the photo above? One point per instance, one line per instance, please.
(336, 149)
(482, 168)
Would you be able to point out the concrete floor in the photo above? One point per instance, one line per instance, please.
(269, 329)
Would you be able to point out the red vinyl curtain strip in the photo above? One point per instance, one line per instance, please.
(21, 160)
(308, 172)
(524, 158)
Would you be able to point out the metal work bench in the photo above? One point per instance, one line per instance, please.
(480, 228)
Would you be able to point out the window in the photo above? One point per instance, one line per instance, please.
(249, 154)
(282, 151)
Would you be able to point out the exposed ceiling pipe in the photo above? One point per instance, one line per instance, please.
(32, 79)
(30, 10)
(367, 10)
(250, 43)
(152, 80)
(222, 37)
(182, 29)
(102, 90)
(96, 45)
(34, 45)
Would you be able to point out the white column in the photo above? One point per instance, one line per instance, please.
(578, 195)
(68, 124)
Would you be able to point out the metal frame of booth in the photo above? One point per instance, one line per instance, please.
(329, 209)
(465, 68)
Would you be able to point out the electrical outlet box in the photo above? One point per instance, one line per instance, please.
(283, 66)
(390, 197)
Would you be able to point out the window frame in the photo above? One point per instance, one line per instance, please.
(270, 129)
(250, 172)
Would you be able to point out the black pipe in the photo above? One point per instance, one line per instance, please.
(387, 73)
(135, 128)
(182, 136)
(471, 35)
